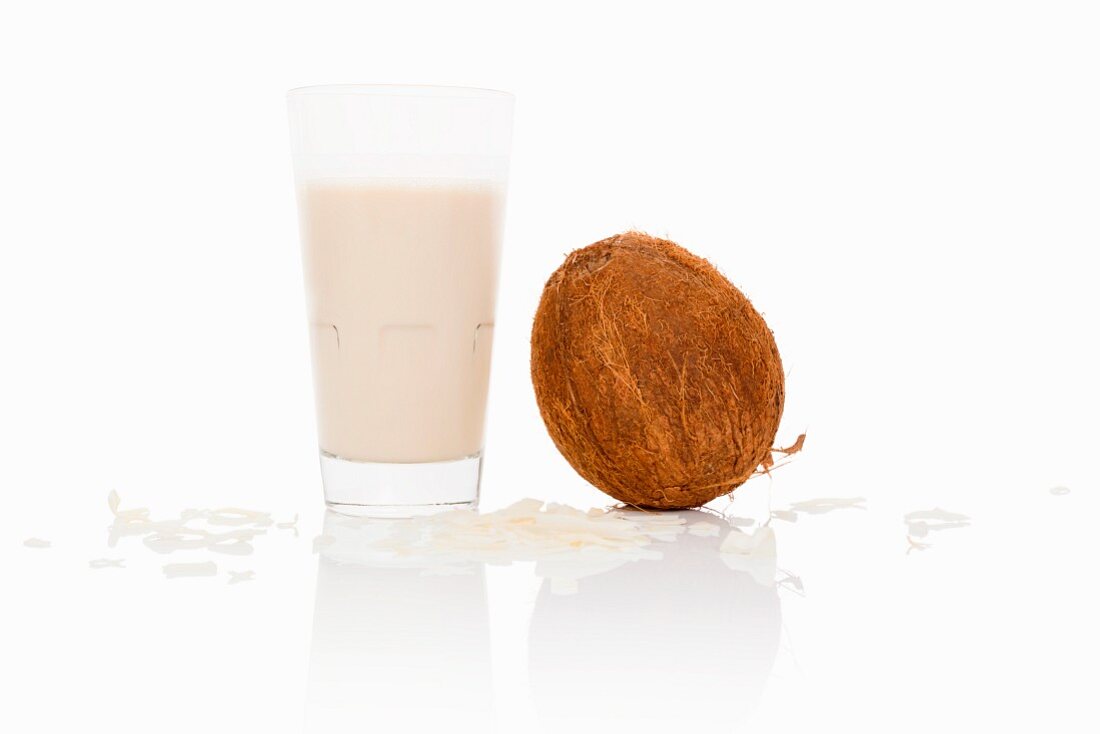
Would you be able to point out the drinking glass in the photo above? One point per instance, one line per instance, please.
(401, 195)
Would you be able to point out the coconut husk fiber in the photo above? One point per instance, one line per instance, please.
(656, 378)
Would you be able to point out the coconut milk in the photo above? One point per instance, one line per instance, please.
(401, 286)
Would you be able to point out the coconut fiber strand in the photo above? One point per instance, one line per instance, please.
(656, 378)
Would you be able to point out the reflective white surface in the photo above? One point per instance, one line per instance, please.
(907, 191)
(392, 643)
(827, 608)
(398, 642)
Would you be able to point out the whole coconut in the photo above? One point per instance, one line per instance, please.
(656, 378)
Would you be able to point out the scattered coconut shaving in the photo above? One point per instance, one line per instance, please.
(566, 544)
(107, 563)
(137, 513)
(37, 543)
(225, 530)
(936, 514)
(792, 582)
(921, 523)
(748, 544)
(752, 553)
(818, 506)
(234, 542)
(236, 516)
(190, 570)
(292, 525)
(704, 529)
(1059, 490)
(915, 545)
(236, 577)
(827, 504)
(182, 533)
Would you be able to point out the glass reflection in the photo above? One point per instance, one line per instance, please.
(392, 643)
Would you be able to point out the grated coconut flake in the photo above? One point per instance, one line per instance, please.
(565, 543)
(704, 529)
(190, 570)
(752, 553)
(107, 563)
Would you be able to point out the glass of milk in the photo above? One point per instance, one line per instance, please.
(401, 200)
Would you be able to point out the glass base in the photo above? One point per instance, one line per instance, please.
(375, 489)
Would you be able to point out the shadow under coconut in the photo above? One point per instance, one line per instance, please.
(690, 637)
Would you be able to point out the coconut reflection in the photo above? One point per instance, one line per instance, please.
(392, 643)
(689, 637)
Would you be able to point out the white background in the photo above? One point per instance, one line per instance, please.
(907, 191)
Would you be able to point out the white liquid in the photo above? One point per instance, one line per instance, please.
(401, 287)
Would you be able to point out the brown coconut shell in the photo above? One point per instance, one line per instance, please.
(657, 379)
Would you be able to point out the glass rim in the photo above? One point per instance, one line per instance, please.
(402, 90)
